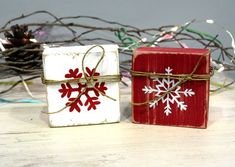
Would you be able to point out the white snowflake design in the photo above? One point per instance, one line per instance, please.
(162, 86)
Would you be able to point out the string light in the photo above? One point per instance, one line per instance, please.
(128, 37)
(142, 40)
(210, 21)
(174, 29)
(1, 45)
(218, 67)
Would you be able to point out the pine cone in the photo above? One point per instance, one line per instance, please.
(21, 37)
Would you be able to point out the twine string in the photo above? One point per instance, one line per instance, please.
(88, 80)
(91, 80)
(181, 77)
(67, 105)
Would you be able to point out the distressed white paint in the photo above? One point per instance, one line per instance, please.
(57, 62)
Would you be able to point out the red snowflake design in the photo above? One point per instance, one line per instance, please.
(91, 101)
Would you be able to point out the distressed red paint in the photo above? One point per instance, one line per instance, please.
(181, 61)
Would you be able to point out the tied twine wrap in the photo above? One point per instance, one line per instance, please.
(88, 80)
(181, 77)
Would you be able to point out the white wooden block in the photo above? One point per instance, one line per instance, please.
(57, 62)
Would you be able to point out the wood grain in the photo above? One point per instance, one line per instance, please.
(168, 110)
(27, 141)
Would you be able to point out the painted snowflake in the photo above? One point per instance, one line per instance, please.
(91, 93)
(162, 86)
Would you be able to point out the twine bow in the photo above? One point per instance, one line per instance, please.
(89, 80)
(181, 77)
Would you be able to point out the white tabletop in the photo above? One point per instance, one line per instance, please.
(26, 139)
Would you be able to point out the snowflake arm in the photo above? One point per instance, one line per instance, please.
(172, 93)
(74, 105)
(100, 88)
(148, 89)
(167, 110)
(83, 90)
(187, 92)
(91, 102)
(174, 99)
(73, 73)
(181, 105)
(67, 89)
(153, 104)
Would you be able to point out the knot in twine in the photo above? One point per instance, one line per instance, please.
(181, 77)
(90, 81)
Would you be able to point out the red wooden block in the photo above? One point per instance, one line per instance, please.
(186, 104)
